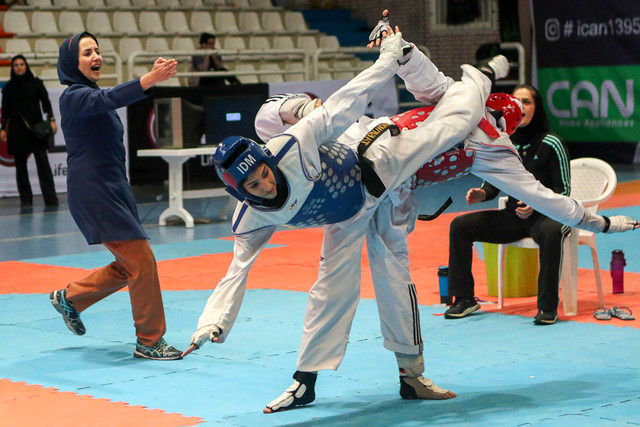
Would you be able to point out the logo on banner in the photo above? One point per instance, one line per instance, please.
(552, 29)
(592, 103)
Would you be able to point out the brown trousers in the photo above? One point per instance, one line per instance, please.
(135, 266)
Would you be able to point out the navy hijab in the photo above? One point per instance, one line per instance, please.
(68, 71)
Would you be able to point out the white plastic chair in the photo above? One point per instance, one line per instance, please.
(66, 4)
(225, 22)
(150, 22)
(157, 44)
(261, 4)
(143, 3)
(246, 78)
(44, 23)
(270, 78)
(127, 46)
(182, 43)
(16, 22)
(283, 42)
(40, 4)
(233, 42)
(593, 181)
(294, 21)
(307, 43)
(272, 21)
(46, 46)
(17, 46)
(259, 43)
(168, 4)
(92, 3)
(329, 42)
(99, 23)
(200, 22)
(249, 22)
(175, 22)
(118, 4)
(193, 4)
(106, 45)
(124, 22)
(70, 22)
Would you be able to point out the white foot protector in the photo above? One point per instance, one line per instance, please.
(423, 388)
(301, 392)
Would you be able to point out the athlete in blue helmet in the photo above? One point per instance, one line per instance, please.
(305, 178)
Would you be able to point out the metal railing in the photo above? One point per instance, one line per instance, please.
(236, 54)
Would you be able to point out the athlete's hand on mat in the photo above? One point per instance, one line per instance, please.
(201, 336)
(523, 211)
(476, 195)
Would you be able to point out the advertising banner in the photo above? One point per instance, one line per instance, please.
(587, 54)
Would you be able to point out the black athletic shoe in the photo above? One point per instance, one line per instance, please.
(69, 313)
(159, 351)
(462, 307)
(301, 392)
(545, 317)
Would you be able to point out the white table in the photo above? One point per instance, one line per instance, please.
(175, 157)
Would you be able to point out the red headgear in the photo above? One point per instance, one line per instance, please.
(511, 108)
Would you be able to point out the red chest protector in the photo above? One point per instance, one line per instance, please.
(447, 166)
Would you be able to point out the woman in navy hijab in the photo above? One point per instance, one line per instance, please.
(100, 198)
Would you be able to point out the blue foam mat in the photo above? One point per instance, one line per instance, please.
(504, 369)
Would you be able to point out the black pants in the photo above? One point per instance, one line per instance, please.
(504, 226)
(44, 176)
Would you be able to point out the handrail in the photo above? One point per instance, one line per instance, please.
(45, 58)
(521, 63)
(234, 53)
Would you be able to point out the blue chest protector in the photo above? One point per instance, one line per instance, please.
(338, 194)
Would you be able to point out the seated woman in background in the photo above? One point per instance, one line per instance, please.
(545, 156)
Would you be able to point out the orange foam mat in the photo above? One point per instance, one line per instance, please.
(627, 194)
(293, 266)
(19, 400)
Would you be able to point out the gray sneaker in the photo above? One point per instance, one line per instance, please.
(69, 313)
(159, 351)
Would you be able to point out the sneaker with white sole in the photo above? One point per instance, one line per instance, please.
(462, 307)
(69, 313)
(159, 351)
(301, 392)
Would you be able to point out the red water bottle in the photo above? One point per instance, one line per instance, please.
(617, 270)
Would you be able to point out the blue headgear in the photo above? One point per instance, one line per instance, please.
(234, 159)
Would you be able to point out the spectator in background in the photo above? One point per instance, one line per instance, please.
(209, 63)
(545, 156)
(24, 98)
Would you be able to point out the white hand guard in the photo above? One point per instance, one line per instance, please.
(500, 66)
(204, 334)
(381, 26)
(392, 46)
(621, 223)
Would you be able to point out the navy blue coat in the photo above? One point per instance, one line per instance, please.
(99, 195)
